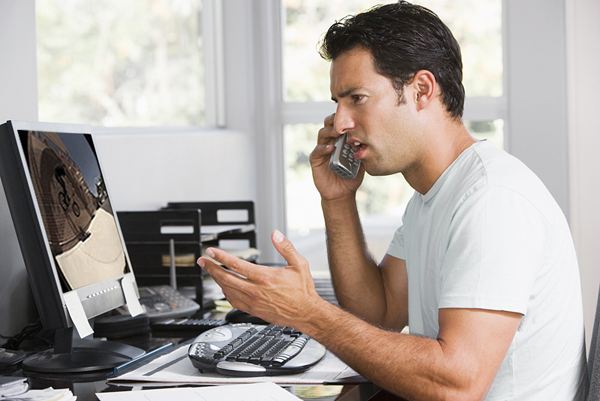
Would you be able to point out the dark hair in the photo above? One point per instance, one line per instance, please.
(403, 38)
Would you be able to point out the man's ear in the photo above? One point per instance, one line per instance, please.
(424, 85)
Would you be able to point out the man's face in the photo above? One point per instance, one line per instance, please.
(380, 129)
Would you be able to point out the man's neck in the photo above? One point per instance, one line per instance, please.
(442, 150)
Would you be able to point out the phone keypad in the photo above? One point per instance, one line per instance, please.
(342, 160)
(347, 158)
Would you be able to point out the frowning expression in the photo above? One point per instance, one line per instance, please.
(382, 129)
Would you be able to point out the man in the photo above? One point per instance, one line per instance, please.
(483, 269)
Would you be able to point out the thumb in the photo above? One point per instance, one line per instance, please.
(320, 152)
(286, 249)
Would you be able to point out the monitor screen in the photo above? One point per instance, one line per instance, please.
(76, 261)
(74, 207)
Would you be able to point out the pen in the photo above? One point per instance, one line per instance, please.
(121, 368)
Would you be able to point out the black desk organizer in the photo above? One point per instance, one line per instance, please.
(151, 237)
(240, 229)
(149, 242)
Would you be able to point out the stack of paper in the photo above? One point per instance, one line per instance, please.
(11, 385)
(239, 392)
(48, 394)
(175, 368)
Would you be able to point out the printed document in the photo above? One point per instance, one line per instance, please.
(238, 392)
(176, 368)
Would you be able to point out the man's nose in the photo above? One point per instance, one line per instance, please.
(343, 121)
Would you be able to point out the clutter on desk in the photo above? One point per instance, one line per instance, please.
(214, 297)
(186, 325)
(116, 324)
(175, 368)
(48, 394)
(10, 359)
(229, 226)
(164, 245)
(12, 385)
(237, 392)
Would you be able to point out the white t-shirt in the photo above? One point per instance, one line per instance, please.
(489, 235)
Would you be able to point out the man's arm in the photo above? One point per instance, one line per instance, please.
(460, 364)
(378, 294)
(382, 289)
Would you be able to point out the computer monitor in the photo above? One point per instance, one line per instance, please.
(72, 247)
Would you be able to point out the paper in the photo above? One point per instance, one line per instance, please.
(133, 303)
(220, 229)
(10, 385)
(48, 394)
(77, 314)
(176, 368)
(238, 392)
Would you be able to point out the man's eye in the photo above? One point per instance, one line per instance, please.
(357, 98)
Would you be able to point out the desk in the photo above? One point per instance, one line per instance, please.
(86, 385)
(85, 388)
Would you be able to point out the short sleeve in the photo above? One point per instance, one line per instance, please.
(396, 247)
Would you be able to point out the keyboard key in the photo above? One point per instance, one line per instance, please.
(244, 345)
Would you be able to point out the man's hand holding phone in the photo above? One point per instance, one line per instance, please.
(342, 161)
(329, 184)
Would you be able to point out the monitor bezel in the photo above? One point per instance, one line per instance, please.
(96, 298)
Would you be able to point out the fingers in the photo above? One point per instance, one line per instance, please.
(327, 134)
(235, 286)
(329, 120)
(320, 154)
(325, 140)
(247, 270)
(242, 268)
(223, 276)
(287, 250)
(273, 294)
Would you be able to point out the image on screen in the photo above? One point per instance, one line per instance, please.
(74, 206)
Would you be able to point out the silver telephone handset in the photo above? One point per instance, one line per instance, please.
(342, 160)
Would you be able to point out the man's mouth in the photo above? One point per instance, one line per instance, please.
(358, 149)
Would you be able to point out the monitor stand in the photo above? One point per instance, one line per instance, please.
(80, 355)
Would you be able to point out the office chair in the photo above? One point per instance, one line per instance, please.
(594, 358)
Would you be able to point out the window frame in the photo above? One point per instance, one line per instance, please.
(477, 108)
(214, 78)
(516, 106)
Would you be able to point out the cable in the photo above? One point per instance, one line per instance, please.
(30, 330)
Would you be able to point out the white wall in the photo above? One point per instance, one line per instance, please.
(18, 101)
(18, 65)
(583, 55)
(253, 88)
(146, 171)
(537, 91)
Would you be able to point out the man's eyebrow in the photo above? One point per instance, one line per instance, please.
(344, 94)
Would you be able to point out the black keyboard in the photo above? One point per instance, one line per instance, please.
(194, 326)
(246, 349)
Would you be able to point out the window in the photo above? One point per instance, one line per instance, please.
(121, 63)
(478, 31)
(381, 200)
